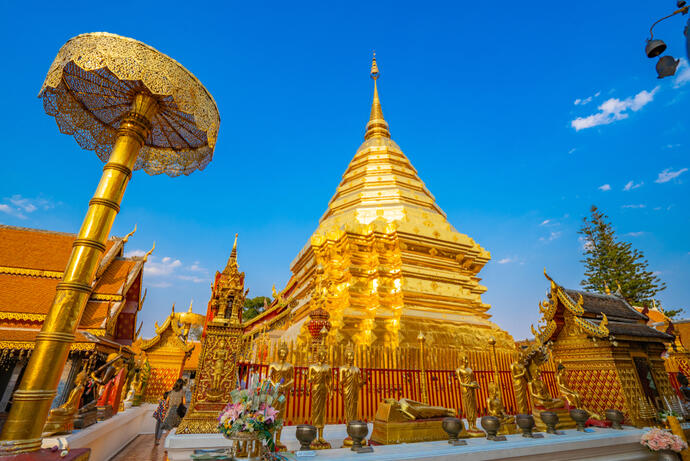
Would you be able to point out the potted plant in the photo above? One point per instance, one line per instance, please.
(250, 419)
(664, 443)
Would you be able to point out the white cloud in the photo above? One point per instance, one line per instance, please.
(192, 278)
(195, 267)
(552, 236)
(11, 211)
(160, 284)
(572, 150)
(166, 266)
(682, 74)
(634, 206)
(17, 205)
(132, 253)
(672, 146)
(585, 243)
(582, 102)
(632, 185)
(667, 175)
(605, 187)
(634, 234)
(545, 222)
(614, 109)
(506, 260)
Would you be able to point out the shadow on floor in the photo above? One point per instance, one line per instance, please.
(143, 449)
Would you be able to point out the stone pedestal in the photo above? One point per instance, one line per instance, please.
(86, 416)
(388, 433)
(105, 412)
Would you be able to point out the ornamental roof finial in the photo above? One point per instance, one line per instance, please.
(377, 126)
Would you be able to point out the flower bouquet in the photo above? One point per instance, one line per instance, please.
(251, 413)
(659, 440)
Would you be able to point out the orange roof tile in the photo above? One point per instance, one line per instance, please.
(36, 249)
(94, 315)
(114, 277)
(26, 294)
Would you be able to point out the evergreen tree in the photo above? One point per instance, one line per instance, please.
(610, 261)
(254, 306)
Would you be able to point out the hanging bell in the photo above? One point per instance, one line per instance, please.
(654, 48)
(666, 66)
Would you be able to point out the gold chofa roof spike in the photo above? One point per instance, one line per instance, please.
(377, 126)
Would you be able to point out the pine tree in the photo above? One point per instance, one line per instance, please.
(612, 262)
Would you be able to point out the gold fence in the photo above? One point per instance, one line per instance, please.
(391, 373)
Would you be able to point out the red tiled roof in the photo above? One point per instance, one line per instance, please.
(36, 249)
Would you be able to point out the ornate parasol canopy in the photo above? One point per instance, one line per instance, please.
(91, 85)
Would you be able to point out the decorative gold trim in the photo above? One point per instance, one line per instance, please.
(30, 272)
(30, 345)
(96, 331)
(104, 297)
(22, 316)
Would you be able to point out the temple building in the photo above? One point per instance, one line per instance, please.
(387, 261)
(31, 265)
(612, 358)
(168, 351)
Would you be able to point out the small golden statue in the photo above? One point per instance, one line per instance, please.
(519, 375)
(282, 373)
(320, 381)
(350, 384)
(540, 394)
(494, 407)
(61, 419)
(468, 385)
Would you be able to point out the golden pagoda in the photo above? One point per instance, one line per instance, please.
(388, 261)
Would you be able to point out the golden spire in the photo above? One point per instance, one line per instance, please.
(232, 260)
(377, 126)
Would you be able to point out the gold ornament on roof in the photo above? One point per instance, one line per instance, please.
(90, 87)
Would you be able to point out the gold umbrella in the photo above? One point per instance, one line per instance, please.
(138, 109)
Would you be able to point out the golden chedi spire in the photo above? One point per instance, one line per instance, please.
(232, 260)
(377, 126)
(394, 264)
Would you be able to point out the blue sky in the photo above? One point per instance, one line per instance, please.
(517, 116)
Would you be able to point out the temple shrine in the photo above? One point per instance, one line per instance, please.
(31, 265)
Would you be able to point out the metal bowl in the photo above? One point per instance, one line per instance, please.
(580, 417)
(525, 423)
(306, 435)
(452, 426)
(616, 417)
(357, 430)
(491, 424)
(550, 418)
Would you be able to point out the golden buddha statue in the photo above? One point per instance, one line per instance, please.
(320, 382)
(411, 410)
(540, 394)
(350, 384)
(494, 407)
(519, 375)
(282, 373)
(61, 419)
(468, 385)
(571, 397)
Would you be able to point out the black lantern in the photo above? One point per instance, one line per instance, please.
(666, 66)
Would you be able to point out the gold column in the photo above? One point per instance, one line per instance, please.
(22, 430)
(422, 374)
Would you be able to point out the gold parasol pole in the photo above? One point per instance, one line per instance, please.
(134, 124)
(422, 371)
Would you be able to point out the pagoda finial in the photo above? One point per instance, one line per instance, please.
(377, 126)
(233, 253)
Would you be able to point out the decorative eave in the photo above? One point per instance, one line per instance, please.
(552, 311)
(170, 323)
(280, 306)
(116, 308)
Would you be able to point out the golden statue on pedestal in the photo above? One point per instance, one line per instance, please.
(494, 407)
(220, 356)
(320, 382)
(350, 384)
(540, 394)
(282, 373)
(519, 375)
(61, 419)
(468, 385)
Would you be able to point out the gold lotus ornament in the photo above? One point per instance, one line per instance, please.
(137, 109)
